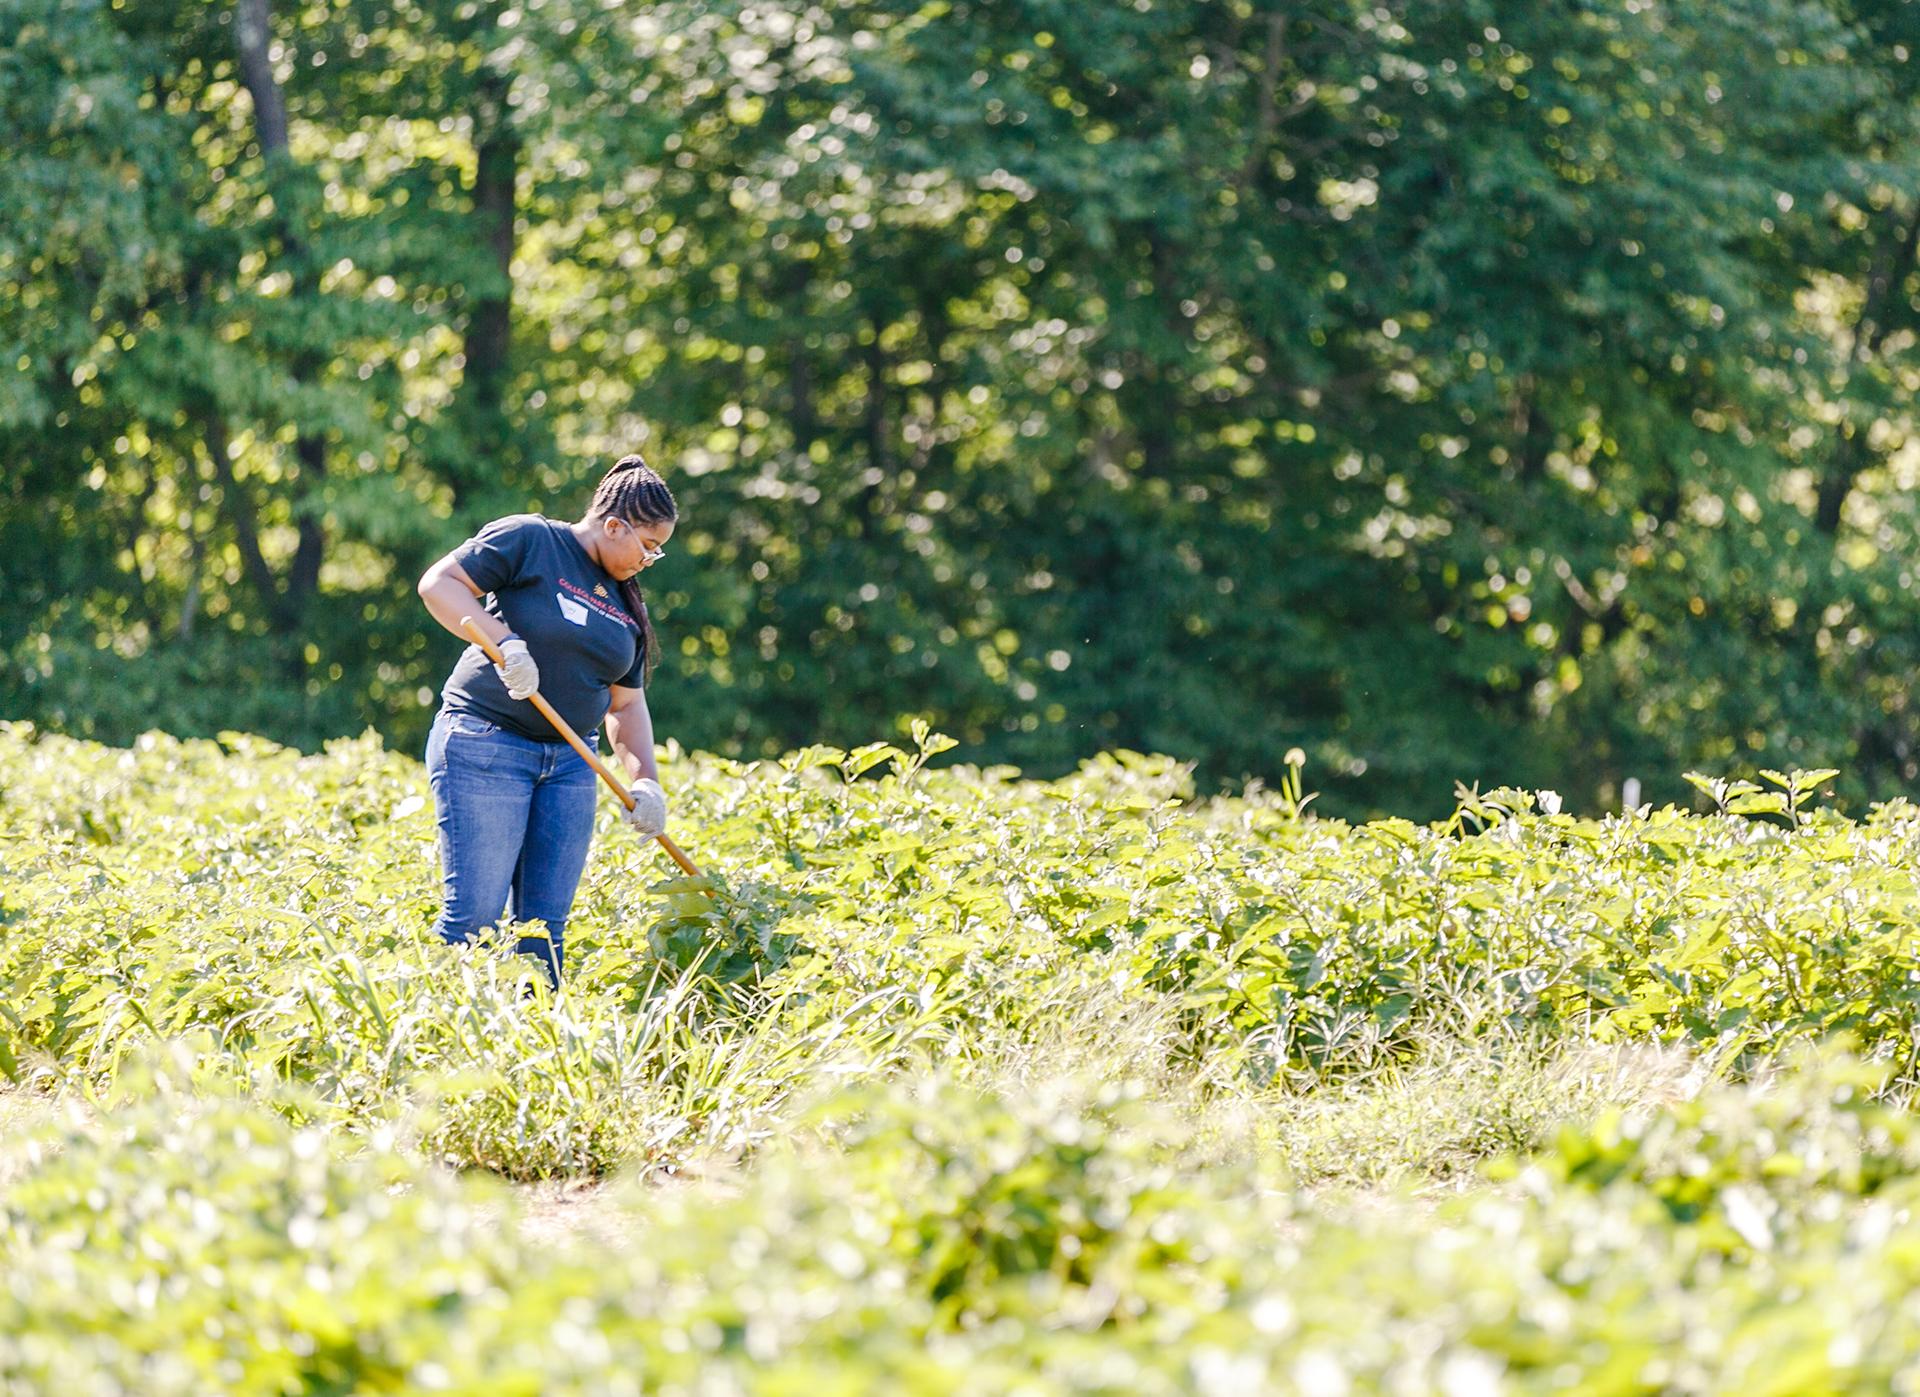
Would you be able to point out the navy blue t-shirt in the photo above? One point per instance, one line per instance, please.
(545, 586)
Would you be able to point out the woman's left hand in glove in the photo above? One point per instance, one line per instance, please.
(649, 813)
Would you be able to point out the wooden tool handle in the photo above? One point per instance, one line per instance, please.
(587, 754)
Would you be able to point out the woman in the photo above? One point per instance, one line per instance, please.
(513, 801)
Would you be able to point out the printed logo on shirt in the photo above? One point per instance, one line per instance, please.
(599, 589)
(581, 597)
(571, 609)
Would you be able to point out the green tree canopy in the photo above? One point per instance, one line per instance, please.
(1452, 391)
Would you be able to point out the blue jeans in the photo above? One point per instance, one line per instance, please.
(515, 818)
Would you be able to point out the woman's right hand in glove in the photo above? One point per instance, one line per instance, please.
(520, 674)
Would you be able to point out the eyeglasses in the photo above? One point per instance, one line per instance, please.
(648, 553)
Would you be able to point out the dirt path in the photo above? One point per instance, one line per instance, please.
(574, 1211)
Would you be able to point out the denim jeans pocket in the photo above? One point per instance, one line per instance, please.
(475, 744)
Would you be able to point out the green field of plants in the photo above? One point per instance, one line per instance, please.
(946, 1080)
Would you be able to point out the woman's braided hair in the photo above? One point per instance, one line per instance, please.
(634, 492)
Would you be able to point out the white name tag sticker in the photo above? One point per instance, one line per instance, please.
(571, 609)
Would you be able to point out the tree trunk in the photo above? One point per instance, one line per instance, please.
(790, 293)
(874, 422)
(196, 574)
(481, 408)
(253, 37)
(1532, 432)
(238, 508)
(1851, 454)
(935, 456)
(806, 418)
(303, 578)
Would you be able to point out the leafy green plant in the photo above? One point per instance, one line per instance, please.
(281, 901)
(925, 1236)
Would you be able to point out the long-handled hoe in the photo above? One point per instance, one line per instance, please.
(591, 757)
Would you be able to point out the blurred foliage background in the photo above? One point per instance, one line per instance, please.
(1452, 390)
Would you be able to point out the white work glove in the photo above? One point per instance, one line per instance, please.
(520, 674)
(649, 813)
